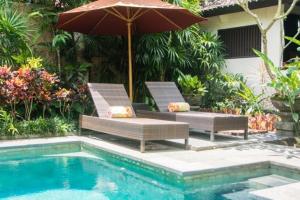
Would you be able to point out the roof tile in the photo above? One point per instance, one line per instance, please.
(213, 4)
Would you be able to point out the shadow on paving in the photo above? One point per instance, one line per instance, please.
(151, 146)
(198, 141)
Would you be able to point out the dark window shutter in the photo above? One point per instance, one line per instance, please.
(240, 41)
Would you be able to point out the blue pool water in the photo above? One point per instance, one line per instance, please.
(96, 175)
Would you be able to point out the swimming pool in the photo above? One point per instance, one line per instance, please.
(79, 171)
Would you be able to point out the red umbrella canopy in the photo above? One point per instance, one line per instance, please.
(110, 17)
(122, 17)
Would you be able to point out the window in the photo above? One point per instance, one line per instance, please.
(240, 41)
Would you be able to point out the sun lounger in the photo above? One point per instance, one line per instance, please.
(142, 129)
(166, 92)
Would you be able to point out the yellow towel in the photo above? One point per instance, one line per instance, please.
(178, 107)
(120, 112)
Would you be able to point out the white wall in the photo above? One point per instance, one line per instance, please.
(251, 68)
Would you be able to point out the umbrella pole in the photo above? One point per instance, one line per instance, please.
(130, 61)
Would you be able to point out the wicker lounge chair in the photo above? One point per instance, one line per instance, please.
(142, 129)
(166, 92)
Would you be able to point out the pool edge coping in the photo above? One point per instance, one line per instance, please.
(88, 141)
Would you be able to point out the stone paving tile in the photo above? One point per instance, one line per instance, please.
(285, 192)
(200, 143)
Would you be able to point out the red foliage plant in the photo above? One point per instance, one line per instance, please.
(28, 86)
(263, 122)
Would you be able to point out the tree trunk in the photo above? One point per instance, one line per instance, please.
(75, 48)
(280, 14)
(265, 51)
(162, 75)
(58, 62)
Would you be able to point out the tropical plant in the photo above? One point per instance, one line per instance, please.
(287, 85)
(252, 104)
(7, 123)
(46, 127)
(33, 87)
(28, 85)
(15, 35)
(74, 75)
(229, 93)
(294, 63)
(223, 88)
(58, 48)
(228, 106)
(64, 98)
(165, 56)
(191, 85)
(40, 126)
(58, 42)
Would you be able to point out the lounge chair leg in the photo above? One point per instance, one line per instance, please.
(142, 146)
(212, 136)
(246, 134)
(80, 125)
(186, 143)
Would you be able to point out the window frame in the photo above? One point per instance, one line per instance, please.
(256, 43)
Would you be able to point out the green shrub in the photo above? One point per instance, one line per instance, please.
(222, 90)
(286, 83)
(251, 104)
(41, 126)
(7, 125)
(191, 85)
(231, 92)
(46, 127)
(15, 34)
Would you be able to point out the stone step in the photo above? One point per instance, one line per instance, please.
(286, 116)
(256, 184)
(245, 194)
(272, 180)
(286, 126)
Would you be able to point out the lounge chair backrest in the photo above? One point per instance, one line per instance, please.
(164, 93)
(106, 95)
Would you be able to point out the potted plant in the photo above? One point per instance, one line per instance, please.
(192, 89)
(287, 86)
(282, 105)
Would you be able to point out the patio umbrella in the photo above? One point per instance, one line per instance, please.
(126, 17)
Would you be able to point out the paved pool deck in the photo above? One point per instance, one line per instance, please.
(187, 162)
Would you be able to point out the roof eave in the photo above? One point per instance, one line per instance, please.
(236, 8)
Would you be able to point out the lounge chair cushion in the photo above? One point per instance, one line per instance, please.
(178, 107)
(120, 112)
